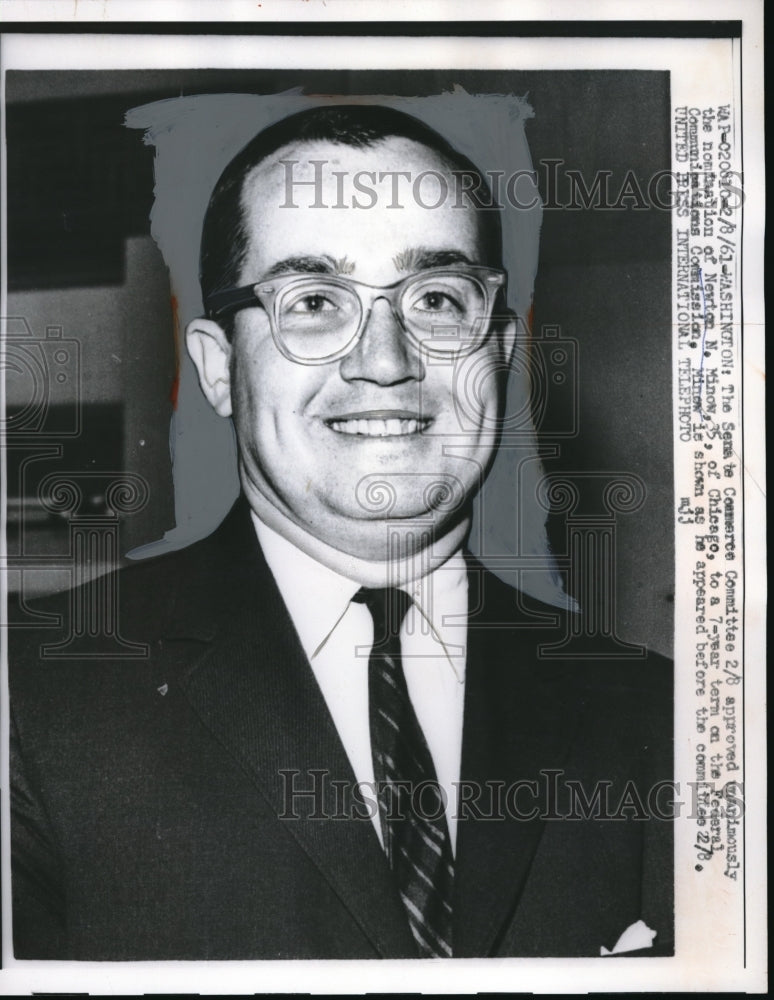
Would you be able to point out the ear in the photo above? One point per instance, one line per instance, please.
(210, 351)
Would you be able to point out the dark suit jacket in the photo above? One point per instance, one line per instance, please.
(147, 793)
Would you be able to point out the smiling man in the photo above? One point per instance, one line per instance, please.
(340, 350)
(346, 741)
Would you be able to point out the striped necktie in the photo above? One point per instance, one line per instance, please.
(411, 808)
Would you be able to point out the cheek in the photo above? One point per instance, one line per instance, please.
(270, 395)
(478, 387)
(248, 390)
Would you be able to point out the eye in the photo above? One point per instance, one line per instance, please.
(435, 300)
(311, 304)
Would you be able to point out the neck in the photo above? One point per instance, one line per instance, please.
(412, 553)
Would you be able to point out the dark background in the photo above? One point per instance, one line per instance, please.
(80, 258)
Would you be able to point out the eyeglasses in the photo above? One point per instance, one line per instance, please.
(318, 318)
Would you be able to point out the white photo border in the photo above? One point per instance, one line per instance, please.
(708, 956)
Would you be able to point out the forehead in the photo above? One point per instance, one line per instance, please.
(373, 207)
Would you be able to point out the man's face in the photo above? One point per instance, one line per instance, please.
(387, 431)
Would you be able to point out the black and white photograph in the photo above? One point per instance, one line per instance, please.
(374, 510)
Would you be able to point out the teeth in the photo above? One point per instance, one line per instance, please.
(394, 427)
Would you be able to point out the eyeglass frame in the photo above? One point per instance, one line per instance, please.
(265, 293)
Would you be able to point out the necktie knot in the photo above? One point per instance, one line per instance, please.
(388, 607)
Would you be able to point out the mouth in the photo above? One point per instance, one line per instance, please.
(379, 423)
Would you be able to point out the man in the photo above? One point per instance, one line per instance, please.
(346, 741)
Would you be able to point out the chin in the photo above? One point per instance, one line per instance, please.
(423, 497)
(386, 541)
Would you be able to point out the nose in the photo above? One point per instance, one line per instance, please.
(383, 355)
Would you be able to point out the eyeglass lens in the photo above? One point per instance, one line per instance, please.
(317, 317)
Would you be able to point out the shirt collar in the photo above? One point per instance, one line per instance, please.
(318, 597)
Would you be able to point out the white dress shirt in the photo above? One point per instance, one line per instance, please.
(337, 634)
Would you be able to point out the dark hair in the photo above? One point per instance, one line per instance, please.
(224, 237)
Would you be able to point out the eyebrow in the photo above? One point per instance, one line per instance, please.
(409, 259)
(311, 265)
(422, 258)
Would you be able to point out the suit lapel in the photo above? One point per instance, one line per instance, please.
(515, 727)
(252, 686)
(254, 689)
